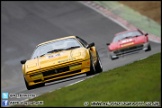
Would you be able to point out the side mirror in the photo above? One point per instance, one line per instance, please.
(107, 43)
(22, 61)
(146, 34)
(90, 45)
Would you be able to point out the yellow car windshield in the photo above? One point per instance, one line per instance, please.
(55, 46)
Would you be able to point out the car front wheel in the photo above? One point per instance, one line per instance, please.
(27, 85)
(34, 86)
(149, 48)
(112, 58)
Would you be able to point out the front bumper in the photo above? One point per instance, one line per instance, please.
(61, 71)
(128, 50)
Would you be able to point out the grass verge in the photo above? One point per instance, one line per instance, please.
(133, 17)
(138, 81)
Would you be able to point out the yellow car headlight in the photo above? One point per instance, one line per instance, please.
(36, 76)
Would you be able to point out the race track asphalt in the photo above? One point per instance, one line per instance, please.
(24, 24)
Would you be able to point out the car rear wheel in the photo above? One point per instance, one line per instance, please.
(92, 67)
(98, 65)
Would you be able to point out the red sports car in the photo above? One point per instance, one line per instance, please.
(127, 42)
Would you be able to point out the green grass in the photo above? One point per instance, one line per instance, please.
(138, 81)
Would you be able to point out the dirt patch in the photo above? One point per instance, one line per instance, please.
(151, 9)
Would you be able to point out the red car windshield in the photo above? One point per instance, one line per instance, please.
(126, 35)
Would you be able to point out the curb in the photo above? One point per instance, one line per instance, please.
(125, 24)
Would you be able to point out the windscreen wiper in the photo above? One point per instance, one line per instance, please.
(72, 47)
(43, 54)
(137, 35)
(125, 38)
(55, 50)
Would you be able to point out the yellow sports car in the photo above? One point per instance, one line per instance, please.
(58, 59)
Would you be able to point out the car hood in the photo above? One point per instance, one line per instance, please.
(53, 59)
